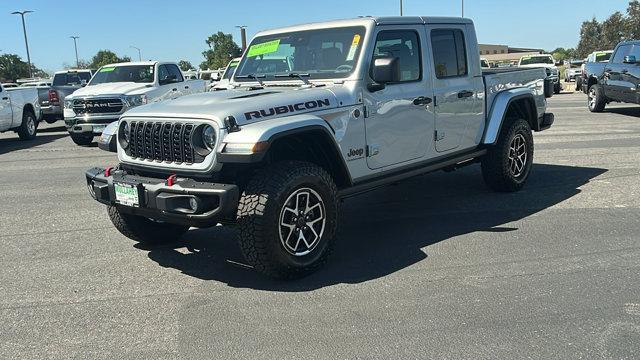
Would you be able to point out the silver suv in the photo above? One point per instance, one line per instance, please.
(314, 114)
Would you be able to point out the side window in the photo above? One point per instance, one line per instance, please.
(622, 51)
(174, 70)
(449, 53)
(635, 51)
(404, 45)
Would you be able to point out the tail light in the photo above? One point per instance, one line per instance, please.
(53, 97)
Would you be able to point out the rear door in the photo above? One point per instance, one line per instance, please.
(5, 109)
(399, 128)
(458, 87)
(182, 86)
(630, 75)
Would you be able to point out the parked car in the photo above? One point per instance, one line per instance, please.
(37, 84)
(9, 85)
(19, 111)
(596, 56)
(224, 83)
(546, 61)
(616, 80)
(64, 83)
(484, 63)
(116, 88)
(573, 70)
(365, 103)
(107, 140)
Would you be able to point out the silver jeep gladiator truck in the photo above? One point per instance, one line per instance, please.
(320, 112)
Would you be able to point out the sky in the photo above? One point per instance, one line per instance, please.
(173, 31)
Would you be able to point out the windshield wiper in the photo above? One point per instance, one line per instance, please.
(254, 77)
(302, 76)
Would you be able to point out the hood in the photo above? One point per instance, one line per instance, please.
(246, 106)
(117, 88)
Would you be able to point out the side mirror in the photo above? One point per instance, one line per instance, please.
(83, 82)
(384, 71)
(630, 59)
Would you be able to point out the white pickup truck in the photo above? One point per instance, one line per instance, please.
(115, 88)
(20, 111)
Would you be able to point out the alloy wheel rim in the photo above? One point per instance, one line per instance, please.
(517, 156)
(31, 125)
(302, 222)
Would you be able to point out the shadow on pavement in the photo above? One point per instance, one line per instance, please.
(42, 137)
(627, 111)
(384, 231)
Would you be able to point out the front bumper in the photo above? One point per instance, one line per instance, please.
(163, 201)
(88, 125)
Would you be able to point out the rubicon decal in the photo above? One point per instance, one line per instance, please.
(284, 109)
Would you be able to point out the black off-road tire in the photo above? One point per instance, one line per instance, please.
(259, 218)
(496, 165)
(595, 99)
(82, 139)
(557, 88)
(144, 230)
(29, 126)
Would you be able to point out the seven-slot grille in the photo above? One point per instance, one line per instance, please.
(97, 106)
(162, 141)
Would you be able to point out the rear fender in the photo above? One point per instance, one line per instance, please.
(498, 114)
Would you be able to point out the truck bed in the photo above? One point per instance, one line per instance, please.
(499, 80)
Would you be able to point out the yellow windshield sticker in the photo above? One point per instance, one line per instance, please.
(107, 69)
(354, 47)
(264, 48)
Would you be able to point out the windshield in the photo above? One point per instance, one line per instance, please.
(128, 73)
(530, 60)
(320, 54)
(228, 73)
(74, 78)
(602, 57)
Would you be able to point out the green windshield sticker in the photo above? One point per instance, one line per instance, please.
(601, 54)
(234, 63)
(107, 69)
(264, 48)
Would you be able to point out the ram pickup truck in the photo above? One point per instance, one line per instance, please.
(547, 62)
(363, 103)
(64, 83)
(116, 88)
(617, 80)
(20, 111)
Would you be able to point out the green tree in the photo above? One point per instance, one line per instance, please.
(222, 49)
(613, 30)
(185, 65)
(12, 68)
(104, 57)
(562, 54)
(590, 37)
(632, 21)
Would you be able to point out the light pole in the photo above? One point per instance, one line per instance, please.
(462, 8)
(26, 43)
(400, 7)
(75, 45)
(139, 52)
(243, 36)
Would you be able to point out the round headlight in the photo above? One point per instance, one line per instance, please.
(209, 137)
(124, 135)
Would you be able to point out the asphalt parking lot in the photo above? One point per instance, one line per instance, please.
(435, 267)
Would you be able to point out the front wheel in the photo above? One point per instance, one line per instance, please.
(144, 230)
(288, 218)
(596, 99)
(82, 139)
(507, 165)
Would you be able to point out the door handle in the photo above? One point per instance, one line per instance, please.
(186, 87)
(422, 100)
(174, 89)
(465, 94)
(5, 98)
(624, 71)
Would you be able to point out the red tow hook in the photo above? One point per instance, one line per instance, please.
(171, 179)
(107, 171)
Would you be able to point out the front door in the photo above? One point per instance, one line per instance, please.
(5, 110)
(458, 88)
(399, 128)
(614, 84)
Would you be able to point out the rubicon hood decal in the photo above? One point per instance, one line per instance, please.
(284, 109)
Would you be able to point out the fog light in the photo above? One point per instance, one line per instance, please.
(193, 203)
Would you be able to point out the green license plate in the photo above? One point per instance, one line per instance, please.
(126, 194)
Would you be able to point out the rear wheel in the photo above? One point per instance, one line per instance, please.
(507, 165)
(29, 126)
(82, 139)
(288, 217)
(557, 88)
(596, 100)
(145, 230)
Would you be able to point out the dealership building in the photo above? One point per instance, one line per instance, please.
(505, 53)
